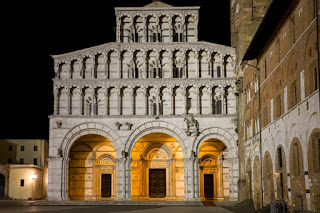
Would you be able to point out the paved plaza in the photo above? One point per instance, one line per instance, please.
(13, 206)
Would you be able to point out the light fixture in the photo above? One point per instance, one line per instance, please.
(34, 177)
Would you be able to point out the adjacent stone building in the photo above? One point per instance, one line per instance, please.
(149, 117)
(23, 168)
(280, 138)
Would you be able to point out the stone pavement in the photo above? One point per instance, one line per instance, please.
(13, 206)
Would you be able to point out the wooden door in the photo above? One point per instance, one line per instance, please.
(208, 186)
(2, 185)
(105, 185)
(157, 183)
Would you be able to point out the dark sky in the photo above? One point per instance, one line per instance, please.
(31, 32)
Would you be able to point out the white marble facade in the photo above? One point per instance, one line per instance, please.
(154, 77)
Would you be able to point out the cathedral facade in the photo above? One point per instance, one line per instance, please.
(151, 116)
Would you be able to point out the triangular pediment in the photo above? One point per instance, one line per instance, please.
(158, 4)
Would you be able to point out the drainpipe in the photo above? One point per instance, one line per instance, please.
(318, 52)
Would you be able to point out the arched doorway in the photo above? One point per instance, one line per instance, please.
(214, 173)
(298, 195)
(157, 168)
(2, 185)
(92, 169)
(268, 179)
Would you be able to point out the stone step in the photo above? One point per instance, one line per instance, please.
(109, 203)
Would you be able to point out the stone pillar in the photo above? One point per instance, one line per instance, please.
(81, 97)
(119, 101)
(144, 22)
(223, 104)
(55, 172)
(189, 178)
(93, 97)
(172, 101)
(106, 67)
(170, 29)
(197, 100)
(145, 94)
(56, 101)
(210, 99)
(120, 194)
(157, 101)
(197, 64)
(196, 179)
(171, 64)
(132, 111)
(118, 29)
(185, 99)
(128, 178)
(69, 96)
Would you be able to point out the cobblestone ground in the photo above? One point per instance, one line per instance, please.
(10, 206)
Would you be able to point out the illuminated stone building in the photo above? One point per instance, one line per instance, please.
(155, 103)
(282, 164)
(23, 168)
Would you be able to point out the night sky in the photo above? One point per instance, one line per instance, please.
(31, 32)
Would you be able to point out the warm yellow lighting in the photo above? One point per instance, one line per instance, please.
(34, 177)
(277, 175)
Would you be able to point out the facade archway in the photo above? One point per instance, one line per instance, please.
(268, 179)
(2, 185)
(314, 168)
(281, 173)
(92, 169)
(214, 171)
(156, 127)
(297, 180)
(157, 168)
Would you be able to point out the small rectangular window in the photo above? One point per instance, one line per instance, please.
(35, 148)
(22, 148)
(10, 148)
(21, 160)
(21, 182)
(35, 161)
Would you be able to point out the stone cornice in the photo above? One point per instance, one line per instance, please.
(157, 46)
(226, 116)
(152, 9)
(198, 82)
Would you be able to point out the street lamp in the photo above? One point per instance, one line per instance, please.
(260, 138)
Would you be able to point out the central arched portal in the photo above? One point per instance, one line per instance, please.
(92, 169)
(214, 173)
(157, 168)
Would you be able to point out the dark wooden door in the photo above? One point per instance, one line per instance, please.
(2, 185)
(208, 186)
(157, 183)
(105, 185)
